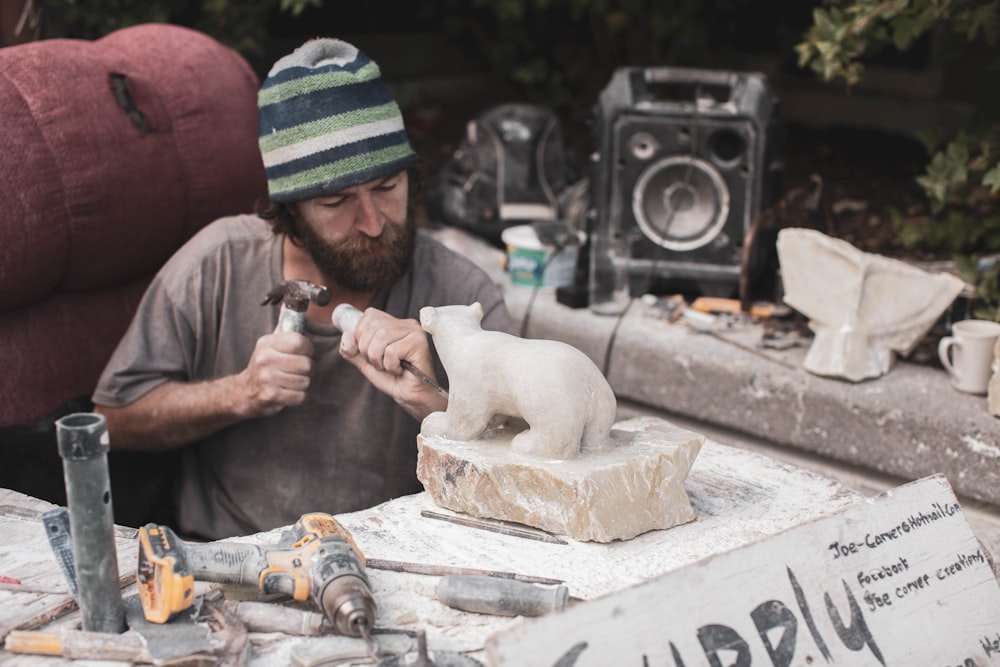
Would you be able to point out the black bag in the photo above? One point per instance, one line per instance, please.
(509, 169)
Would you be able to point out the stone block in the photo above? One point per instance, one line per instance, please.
(863, 308)
(632, 485)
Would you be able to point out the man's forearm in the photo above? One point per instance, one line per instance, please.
(174, 414)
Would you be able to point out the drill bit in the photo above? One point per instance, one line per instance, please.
(364, 631)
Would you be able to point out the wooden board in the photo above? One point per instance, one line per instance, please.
(25, 556)
(900, 580)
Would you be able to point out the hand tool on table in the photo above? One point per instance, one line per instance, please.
(81, 645)
(432, 570)
(15, 586)
(345, 318)
(271, 617)
(335, 650)
(709, 304)
(316, 560)
(421, 657)
(57, 529)
(83, 445)
(294, 297)
(323, 651)
(500, 597)
(214, 637)
(496, 526)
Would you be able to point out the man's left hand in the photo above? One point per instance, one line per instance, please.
(377, 345)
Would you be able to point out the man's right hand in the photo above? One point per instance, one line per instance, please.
(278, 374)
(175, 414)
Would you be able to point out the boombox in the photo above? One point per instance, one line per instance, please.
(687, 159)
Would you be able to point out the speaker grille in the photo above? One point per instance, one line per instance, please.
(680, 202)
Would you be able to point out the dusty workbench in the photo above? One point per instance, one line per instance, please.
(739, 497)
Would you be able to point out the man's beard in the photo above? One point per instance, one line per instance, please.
(362, 263)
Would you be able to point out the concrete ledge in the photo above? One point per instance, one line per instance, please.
(909, 423)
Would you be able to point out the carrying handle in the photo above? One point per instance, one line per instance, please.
(687, 75)
(944, 353)
(684, 84)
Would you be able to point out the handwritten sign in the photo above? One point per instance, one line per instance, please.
(898, 580)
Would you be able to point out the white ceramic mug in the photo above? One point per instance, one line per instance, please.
(968, 354)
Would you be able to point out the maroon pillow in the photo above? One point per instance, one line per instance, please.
(112, 154)
(116, 151)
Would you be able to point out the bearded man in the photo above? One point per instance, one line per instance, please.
(271, 424)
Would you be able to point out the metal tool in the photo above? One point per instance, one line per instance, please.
(30, 589)
(316, 560)
(502, 527)
(80, 644)
(83, 445)
(294, 297)
(500, 597)
(187, 641)
(57, 528)
(345, 318)
(270, 617)
(230, 632)
(445, 570)
(421, 657)
(327, 651)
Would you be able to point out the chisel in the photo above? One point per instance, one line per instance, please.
(345, 318)
(500, 597)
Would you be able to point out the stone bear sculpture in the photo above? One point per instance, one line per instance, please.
(564, 398)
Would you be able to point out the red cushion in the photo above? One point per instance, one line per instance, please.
(94, 204)
(99, 201)
(55, 349)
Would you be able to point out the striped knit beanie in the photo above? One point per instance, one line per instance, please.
(328, 122)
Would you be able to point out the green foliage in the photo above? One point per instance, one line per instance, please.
(90, 19)
(296, 7)
(561, 53)
(844, 31)
(962, 179)
(986, 280)
(240, 24)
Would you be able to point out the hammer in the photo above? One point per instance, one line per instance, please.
(294, 296)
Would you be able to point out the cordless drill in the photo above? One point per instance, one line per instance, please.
(317, 559)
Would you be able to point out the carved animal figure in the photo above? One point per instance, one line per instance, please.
(555, 388)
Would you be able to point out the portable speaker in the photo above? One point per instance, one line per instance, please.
(688, 158)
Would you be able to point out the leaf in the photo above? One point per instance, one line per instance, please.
(991, 179)
(825, 25)
(932, 139)
(980, 20)
(937, 180)
(805, 51)
(906, 30)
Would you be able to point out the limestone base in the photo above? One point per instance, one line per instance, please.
(634, 485)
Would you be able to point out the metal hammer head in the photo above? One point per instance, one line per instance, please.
(296, 295)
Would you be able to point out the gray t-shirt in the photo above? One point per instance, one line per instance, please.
(347, 447)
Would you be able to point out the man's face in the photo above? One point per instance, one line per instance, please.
(361, 237)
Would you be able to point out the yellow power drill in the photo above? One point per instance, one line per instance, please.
(317, 559)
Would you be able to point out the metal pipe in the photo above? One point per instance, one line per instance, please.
(83, 446)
